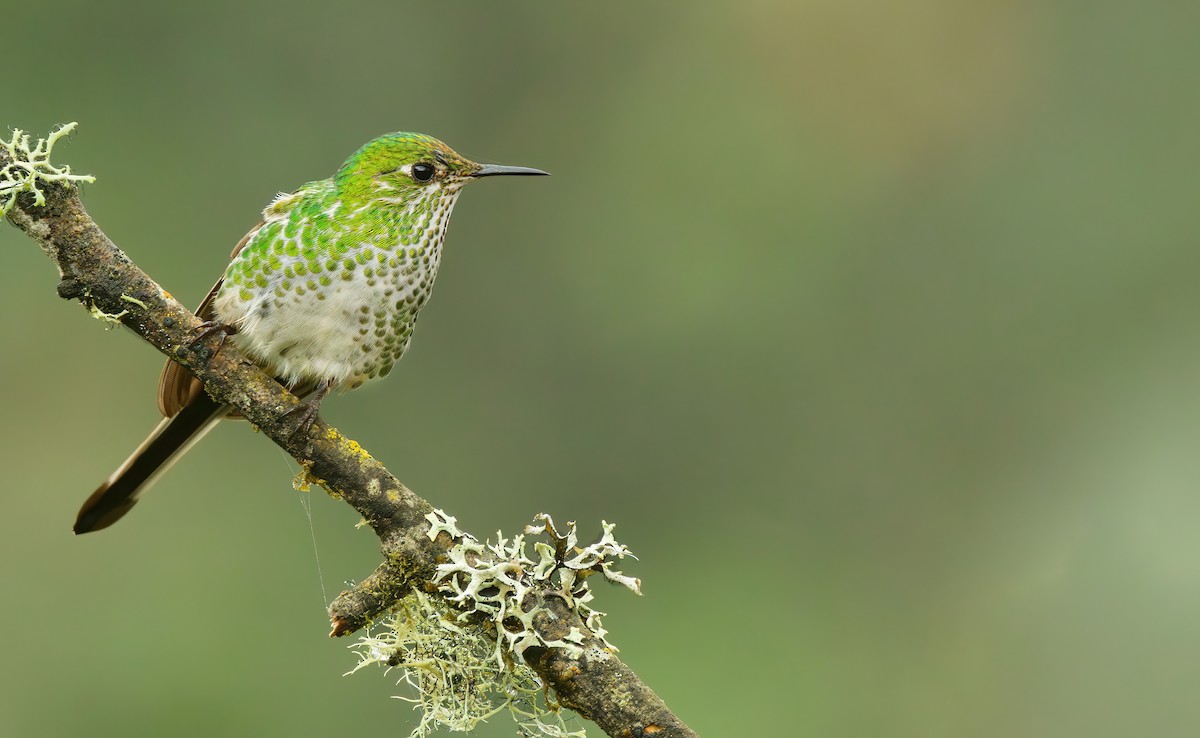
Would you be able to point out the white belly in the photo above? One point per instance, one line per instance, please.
(347, 331)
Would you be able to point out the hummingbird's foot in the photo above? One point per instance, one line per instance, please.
(210, 328)
(306, 411)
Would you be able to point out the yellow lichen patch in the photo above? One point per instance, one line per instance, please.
(305, 479)
(349, 444)
(302, 482)
(353, 447)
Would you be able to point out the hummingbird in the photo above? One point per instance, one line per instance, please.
(323, 293)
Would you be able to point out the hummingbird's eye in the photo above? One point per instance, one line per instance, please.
(423, 171)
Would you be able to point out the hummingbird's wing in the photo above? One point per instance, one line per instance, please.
(176, 385)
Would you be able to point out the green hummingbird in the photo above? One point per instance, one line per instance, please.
(323, 293)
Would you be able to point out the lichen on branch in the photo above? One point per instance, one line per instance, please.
(464, 653)
(26, 166)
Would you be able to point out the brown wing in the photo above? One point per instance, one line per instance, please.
(176, 385)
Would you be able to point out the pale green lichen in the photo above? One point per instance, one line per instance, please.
(134, 301)
(440, 521)
(462, 651)
(111, 319)
(449, 666)
(29, 165)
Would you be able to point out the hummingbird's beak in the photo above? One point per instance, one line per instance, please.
(492, 170)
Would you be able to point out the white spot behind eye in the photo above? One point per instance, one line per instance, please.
(407, 170)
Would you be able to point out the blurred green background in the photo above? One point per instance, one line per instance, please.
(871, 324)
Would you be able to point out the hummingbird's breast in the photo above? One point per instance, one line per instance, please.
(333, 297)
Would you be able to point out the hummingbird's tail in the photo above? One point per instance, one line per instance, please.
(170, 440)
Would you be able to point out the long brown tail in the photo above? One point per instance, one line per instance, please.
(169, 441)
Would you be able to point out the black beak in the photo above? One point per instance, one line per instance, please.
(492, 170)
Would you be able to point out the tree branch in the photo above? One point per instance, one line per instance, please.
(590, 679)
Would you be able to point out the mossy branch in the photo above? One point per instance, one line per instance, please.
(584, 672)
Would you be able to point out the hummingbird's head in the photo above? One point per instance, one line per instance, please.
(406, 168)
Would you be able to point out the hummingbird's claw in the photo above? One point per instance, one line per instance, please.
(307, 410)
(210, 328)
(306, 414)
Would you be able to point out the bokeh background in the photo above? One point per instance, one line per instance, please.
(871, 324)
